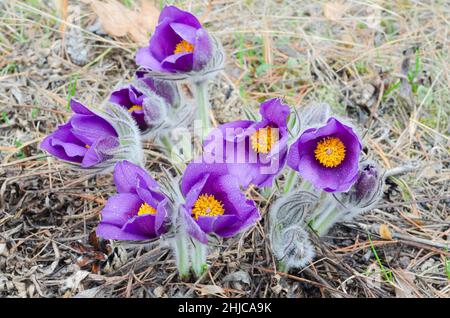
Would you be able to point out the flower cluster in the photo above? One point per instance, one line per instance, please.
(209, 198)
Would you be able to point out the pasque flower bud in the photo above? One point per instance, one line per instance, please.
(367, 182)
(364, 194)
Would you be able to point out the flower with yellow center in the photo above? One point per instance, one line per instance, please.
(263, 139)
(183, 47)
(207, 205)
(134, 107)
(146, 209)
(330, 152)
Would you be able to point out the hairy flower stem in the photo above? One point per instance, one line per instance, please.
(326, 216)
(199, 258)
(202, 98)
(181, 250)
(166, 143)
(277, 229)
(291, 180)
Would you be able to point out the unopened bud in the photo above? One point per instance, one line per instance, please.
(367, 182)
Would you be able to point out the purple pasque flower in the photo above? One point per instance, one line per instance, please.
(147, 100)
(214, 202)
(327, 156)
(131, 98)
(179, 44)
(138, 211)
(255, 151)
(86, 138)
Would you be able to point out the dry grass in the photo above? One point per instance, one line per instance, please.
(347, 53)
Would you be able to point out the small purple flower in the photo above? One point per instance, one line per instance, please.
(327, 156)
(179, 44)
(131, 98)
(147, 101)
(86, 138)
(367, 182)
(255, 152)
(138, 211)
(215, 202)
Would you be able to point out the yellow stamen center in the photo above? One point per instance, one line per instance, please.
(146, 209)
(330, 152)
(87, 146)
(183, 47)
(263, 140)
(134, 107)
(207, 205)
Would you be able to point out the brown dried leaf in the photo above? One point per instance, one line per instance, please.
(385, 233)
(118, 20)
(211, 290)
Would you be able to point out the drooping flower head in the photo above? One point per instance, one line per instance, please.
(215, 202)
(147, 100)
(87, 138)
(138, 211)
(327, 156)
(179, 44)
(255, 151)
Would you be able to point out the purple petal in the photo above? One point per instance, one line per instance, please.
(186, 32)
(120, 208)
(126, 177)
(112, 232)
(121, 97)
(206, 223)
(192, 192)
(194, 229)
(79, 108)
(227, 226)
(164, 41)
(136, 97)
(275, 111)
(226, 189)
(145, 59)
(64, 145)
(196, 171)
(146, 196)
(101, 150)
(293, 160)
(162, 215)
(173, 14)
(90, 128)
(203, 49)
(143, 225)
(178, 62)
